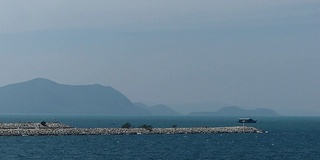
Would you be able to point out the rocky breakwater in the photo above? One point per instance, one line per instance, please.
(36, 129)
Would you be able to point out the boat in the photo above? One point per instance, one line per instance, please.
(246, 120)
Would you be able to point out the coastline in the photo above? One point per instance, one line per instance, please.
(60, 129)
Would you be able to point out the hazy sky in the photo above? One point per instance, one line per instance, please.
(248, 53)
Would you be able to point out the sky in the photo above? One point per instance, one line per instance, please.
(249, 53)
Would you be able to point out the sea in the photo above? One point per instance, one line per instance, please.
(284, 138)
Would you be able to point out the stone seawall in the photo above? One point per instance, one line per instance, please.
(34, 129)
(30, 125)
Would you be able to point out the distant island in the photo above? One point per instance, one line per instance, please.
(45, 96)
(41, 95)
(237, 111)
(159, 109)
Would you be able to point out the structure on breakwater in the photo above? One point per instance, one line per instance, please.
(36, 129)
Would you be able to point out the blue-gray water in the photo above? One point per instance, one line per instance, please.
(287, 138)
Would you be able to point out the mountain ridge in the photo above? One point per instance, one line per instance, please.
(42, 95)
(237, 111)
(159, 109)
(45, 96)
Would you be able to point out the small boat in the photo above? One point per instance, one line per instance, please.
(246, 120)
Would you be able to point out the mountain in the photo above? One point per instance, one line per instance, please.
(45, 96)
(236, 111)
(187, 108)
(159, 109)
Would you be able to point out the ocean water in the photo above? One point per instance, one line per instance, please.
(286, 138)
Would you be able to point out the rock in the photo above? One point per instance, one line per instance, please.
(35, 129)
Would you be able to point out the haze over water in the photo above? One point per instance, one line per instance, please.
(245, 53)
(190, 55)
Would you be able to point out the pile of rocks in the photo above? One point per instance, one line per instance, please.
(30, 125)
(36, 129)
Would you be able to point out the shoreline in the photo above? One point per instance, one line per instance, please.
(60, 129)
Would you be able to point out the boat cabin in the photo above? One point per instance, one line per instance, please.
(246, 120)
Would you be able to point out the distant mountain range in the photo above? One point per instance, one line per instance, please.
(41, 95)
(237, 111)
(159, 109)
(187, 108)
(45, 96)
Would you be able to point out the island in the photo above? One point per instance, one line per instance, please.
(56, 129)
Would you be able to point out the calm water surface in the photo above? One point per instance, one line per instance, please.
(287, 138)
